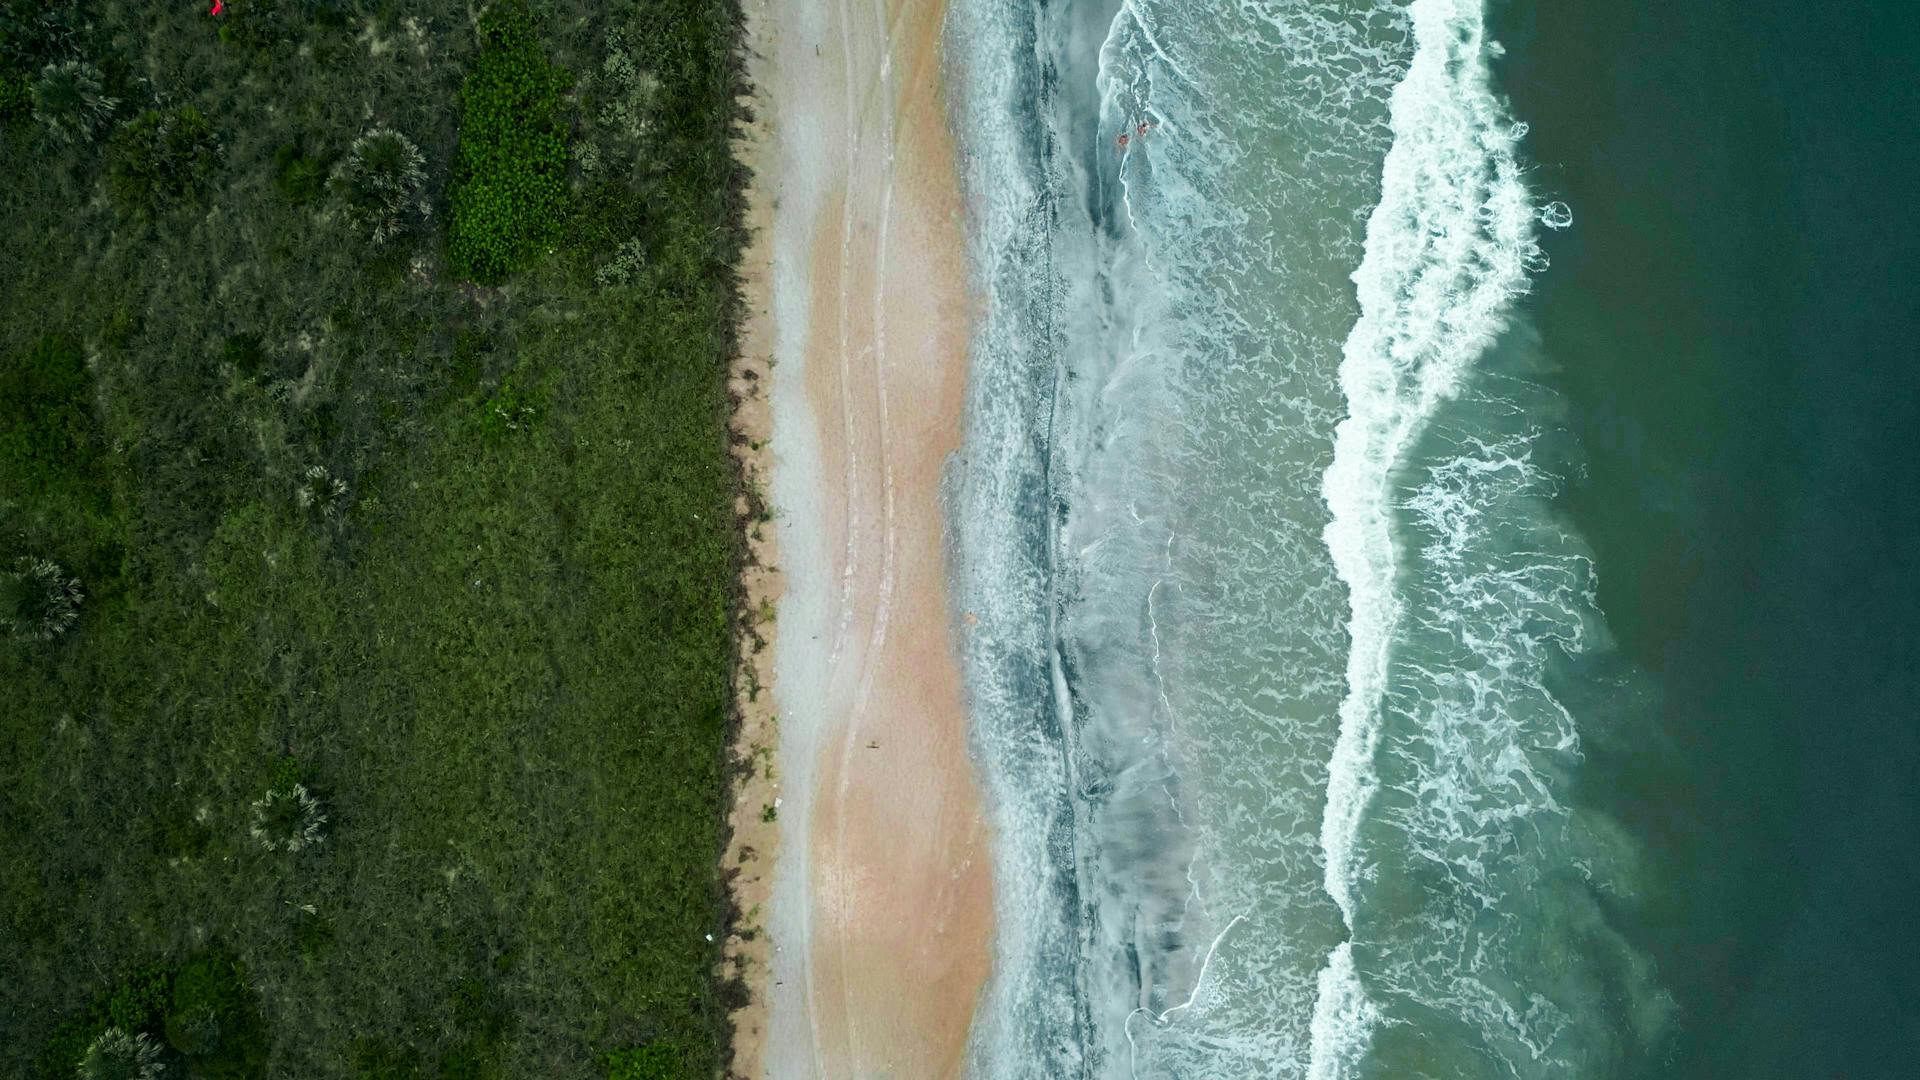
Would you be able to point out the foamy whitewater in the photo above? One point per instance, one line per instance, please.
(1253, 527)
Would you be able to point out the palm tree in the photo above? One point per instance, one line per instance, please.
(288, 820)
(70, 99)
(38, 601)
(380, 182)
(116, 1055)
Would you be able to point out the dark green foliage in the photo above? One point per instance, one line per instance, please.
(70, 98)
(48, 439)
(470, 350)
(378, 1059)
(379, 184)
(655, 1061)
(511, 409)
(16, 98)
(38, 601)
(285, 774)
(118, 1054)
(312, 934)
(212, 1020)
(176, 830)
(245, 352)
(267, 25)
(160, 158)
(506, 654)
(509, 192)
(297, 174)
(137, 1005)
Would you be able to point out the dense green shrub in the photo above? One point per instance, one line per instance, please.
(509, 193)
(16, 97)
(137, 1006)
(161, 157)
(655, 1061)
(298, 174)
(512, 408)
(212, 1020)
(380, 184)
(245, 352)
(47, 431)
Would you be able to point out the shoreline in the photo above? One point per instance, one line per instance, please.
(879, 905)
(754, 833)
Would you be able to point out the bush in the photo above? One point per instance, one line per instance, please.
(47, 433)
(245, 352)
(655, 1061)
(16, 97)
(70, 99)
(137, 1006)
(161, 157)
(212, 1020)
(509, 194)
(38, 601)
(380, 184)
(297, 174)
(628, 96)
(119, 1055)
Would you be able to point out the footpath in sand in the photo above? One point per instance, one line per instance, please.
(879, 908)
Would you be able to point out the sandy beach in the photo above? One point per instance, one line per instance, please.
(879, 910)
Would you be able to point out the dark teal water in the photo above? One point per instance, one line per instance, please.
(1737, 333)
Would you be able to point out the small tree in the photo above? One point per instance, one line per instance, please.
(161, 157)
(38, 601)
(380, 184)
(116, 1055)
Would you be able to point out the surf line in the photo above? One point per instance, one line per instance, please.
(1453, 208)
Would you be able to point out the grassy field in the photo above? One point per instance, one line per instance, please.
(364, 363)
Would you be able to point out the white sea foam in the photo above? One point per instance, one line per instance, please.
(1447, 252)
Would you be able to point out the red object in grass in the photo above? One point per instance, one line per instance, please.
(218, 7)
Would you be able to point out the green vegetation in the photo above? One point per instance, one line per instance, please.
(38, 601)
(117, 1055)
(509, 182)
(162, 157)
(380, 183)
(48, 438)
(367, 537)
(659, 1061)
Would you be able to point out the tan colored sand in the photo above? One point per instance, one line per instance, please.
(884, 919)
(755, 842)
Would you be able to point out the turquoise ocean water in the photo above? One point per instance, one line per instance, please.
(1411, 446)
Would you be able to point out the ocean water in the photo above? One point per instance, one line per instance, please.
(1320, 646)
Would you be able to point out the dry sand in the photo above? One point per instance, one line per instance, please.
(880, 905)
